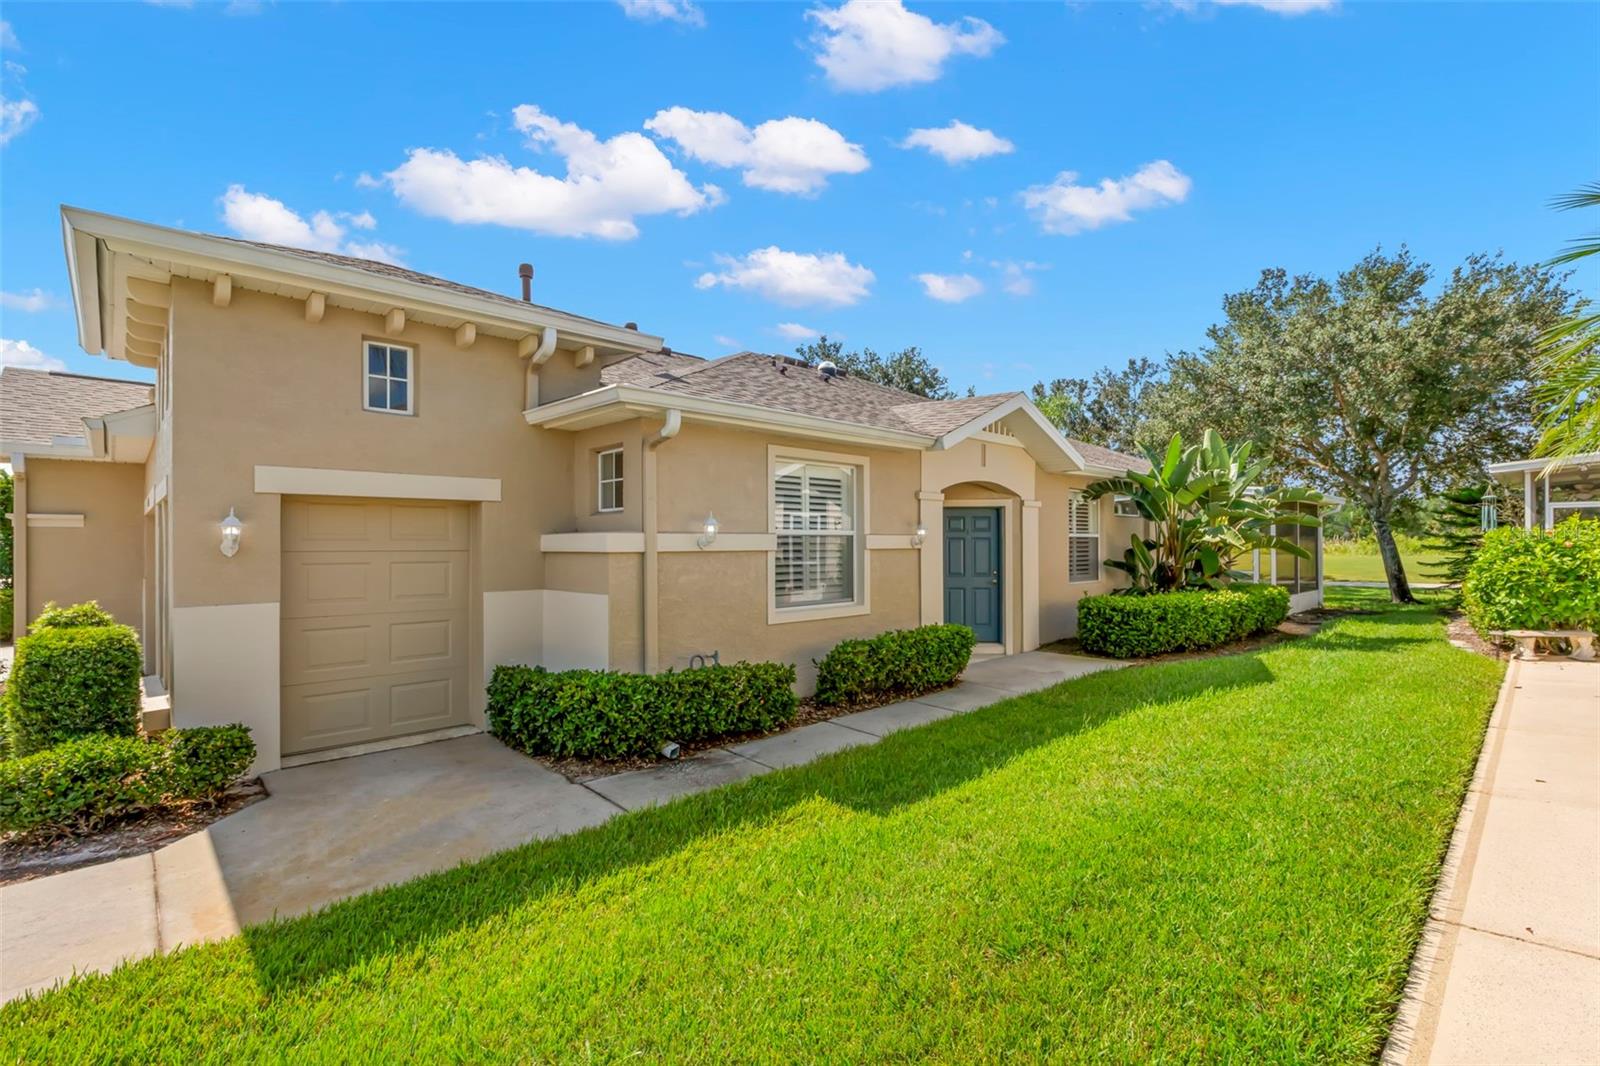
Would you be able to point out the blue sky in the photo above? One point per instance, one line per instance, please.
(1119, 167)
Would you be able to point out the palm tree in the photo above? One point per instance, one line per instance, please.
(1569, 360)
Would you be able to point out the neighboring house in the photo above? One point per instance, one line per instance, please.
(431, 479)
(1550, 490)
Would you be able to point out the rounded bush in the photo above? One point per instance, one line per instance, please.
(597, 714)
(1135, 627)
(201, 762)
(1535, 578)
(899, 663)
(72, 682)
(89, 613)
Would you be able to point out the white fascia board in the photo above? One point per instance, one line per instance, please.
(285, 268)
(1047, 438)
(83, 273)
(134, 426)
(563, 414)
(59, 448)
(1521, 465)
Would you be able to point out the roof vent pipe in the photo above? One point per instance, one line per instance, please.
(631, 325)
(525, 272)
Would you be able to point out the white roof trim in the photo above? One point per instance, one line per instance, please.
(594, 407)
(285, 268)
(1536, 465)
(1043, 441)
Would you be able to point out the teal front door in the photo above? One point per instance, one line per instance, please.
(972, 591)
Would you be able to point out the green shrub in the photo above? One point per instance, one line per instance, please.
(72, 682)
(74, 616)
(201, 762)
(7, 597)
(596, 714)
(1536, 579)
(1131, 627)
(82, 784)
(899, 663)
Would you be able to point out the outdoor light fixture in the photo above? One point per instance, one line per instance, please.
(231, 529)
(704, 540)
(919, 536)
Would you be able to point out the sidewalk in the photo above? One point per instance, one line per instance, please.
(336, 829)
(1509, 965)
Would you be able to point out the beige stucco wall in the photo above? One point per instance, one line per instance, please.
(101, 560)
(254, 384)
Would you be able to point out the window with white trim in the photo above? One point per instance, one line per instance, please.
(1083, 538)
(609, 472)
(814, 515)
(389, 377)
(1124, 507)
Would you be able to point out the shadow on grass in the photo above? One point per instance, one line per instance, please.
(902, 769)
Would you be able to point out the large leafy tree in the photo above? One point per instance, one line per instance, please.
(1207, 507)
(1569, 364)
(1107, 409)
(1379, 385)
(908, 369)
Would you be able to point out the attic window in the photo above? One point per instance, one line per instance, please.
(389, 370)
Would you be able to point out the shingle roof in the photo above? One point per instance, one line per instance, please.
(783, 384)
(1095, 455)
(38, 405)
(400, 273)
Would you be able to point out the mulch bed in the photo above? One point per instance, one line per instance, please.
(26, 859)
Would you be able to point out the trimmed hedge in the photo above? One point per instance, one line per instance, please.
(72, 682)
(896, 664)
(80, 785)
(1533, 579)
(596, 714)
(73, 616)
(7, 598)
(1133, 627)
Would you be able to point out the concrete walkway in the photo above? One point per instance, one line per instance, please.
(1509, 967)
(336, 829)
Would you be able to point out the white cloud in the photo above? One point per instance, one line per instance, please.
(24, 355)
(37, 300)
(796, 332)
(1065, 207)
(258, 217)
(792, 155)
(1015, 275)
(1289, 8)
(367, 181)
(950, 288)
(793, 278)
(868, 45)
(664, 11)
(958, 142)
(726, 341)
(15, 117)
(8, 38)
(607, 185)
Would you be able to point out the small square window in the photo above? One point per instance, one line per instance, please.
(388, 378)
(609, 496)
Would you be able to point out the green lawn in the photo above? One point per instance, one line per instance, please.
(1359, 561)
(1224, 859)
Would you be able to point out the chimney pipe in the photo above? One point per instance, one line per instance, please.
(525, 272)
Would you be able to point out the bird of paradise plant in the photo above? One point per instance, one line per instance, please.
(1208, 508)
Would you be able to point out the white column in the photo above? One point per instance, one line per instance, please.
(1030, 574)
(1527, 499)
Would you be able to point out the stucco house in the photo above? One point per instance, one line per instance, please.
(1550, 490)
(354, 489)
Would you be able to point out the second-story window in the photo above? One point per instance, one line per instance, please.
(390, 372)
(610, 470)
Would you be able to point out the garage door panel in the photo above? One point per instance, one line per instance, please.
(373, 525)
(374, 620)
(331, 714)
(318, 584)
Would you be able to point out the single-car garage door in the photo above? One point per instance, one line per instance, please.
(374, 617)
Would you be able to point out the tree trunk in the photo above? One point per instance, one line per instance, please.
(1399, 588)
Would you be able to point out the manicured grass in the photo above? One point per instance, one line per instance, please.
(1359, 560)
(1225, 859)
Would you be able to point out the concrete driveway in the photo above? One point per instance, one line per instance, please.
(336, 829)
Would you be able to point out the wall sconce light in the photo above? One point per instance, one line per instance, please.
(705, 539)
(231, 529)
(919, 536)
